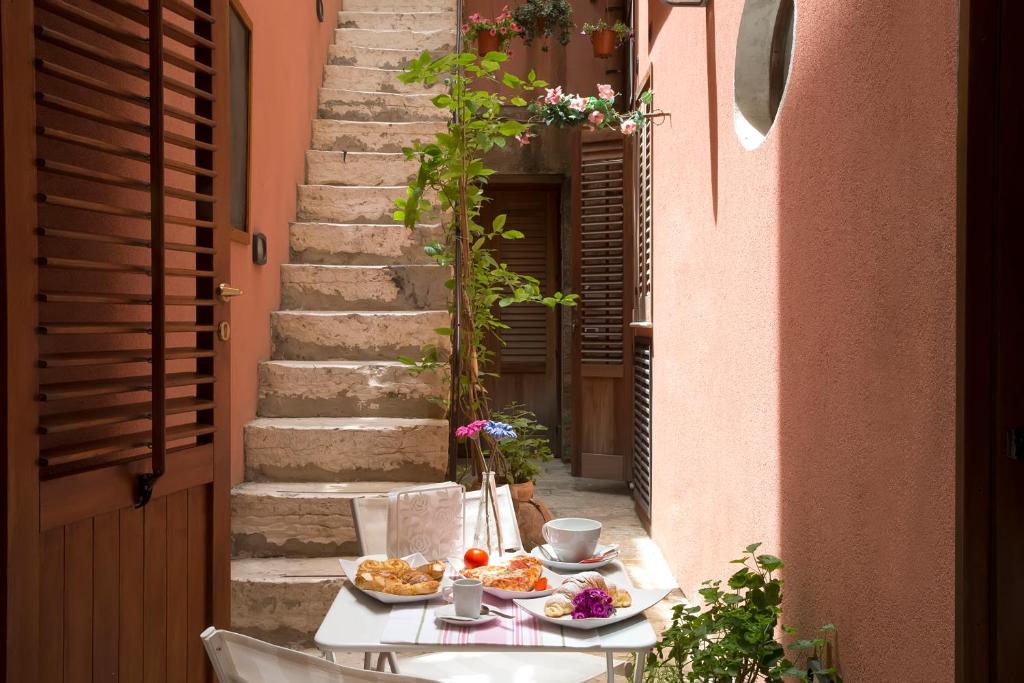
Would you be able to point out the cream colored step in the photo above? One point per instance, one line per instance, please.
(380, 57)
(355, 105)
(348, 244)
(370, 79)
(360, 169)
(391, 20)
(334, 388)
(400, 5)
(283, 600)
(298, 519)
(347, 204)
(346, 449)
(434, 41)
(371, 136)
(313, 287)
(356, 335)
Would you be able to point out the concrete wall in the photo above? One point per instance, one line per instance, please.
(804, 321)
(289, 50)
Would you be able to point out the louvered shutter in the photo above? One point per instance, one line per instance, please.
(643, 378)
(643, 291)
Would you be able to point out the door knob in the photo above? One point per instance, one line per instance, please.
(226, 291)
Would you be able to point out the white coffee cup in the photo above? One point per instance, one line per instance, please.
(572, 538)
(467, 594)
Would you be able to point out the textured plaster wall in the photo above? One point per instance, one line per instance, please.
(804, 321)
(289, 50)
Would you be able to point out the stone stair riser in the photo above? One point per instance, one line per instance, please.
(393, 21)
(432, 41)
(390, 288)
(354, 105)
(363, 169)
(349, 204)
(366, 79)
(400, 5)
(381, 450)
(292, 525)
(331, 243)
(286, 612)
(359, 136)
(298, 335)
(378, 57)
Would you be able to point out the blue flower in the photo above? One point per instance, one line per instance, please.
(500, 430)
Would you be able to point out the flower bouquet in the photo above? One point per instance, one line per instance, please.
(566, 110)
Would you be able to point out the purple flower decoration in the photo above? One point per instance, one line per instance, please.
(500, 430)
(592, 603)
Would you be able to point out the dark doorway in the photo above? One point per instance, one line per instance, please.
(528, 361)
(990, 582)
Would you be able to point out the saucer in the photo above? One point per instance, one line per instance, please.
(574, 566)
(446, 613)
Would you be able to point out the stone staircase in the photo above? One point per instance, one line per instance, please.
(339, 416)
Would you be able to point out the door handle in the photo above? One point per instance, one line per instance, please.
(226, 291)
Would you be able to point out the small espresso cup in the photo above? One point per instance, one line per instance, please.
(572, 538)
(467, 594)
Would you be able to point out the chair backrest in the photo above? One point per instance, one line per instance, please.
(507, 510)
(370, 517)
(241, 659)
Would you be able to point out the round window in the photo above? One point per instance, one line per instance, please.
(764, 50)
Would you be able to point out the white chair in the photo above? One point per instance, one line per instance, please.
(370, 516)
(241, 659)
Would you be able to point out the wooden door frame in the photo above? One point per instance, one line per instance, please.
(978, 211)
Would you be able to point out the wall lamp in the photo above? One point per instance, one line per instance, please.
(686, 3)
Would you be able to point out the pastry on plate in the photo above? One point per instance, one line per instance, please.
(396, 577)
(520, 574)
(560, 604)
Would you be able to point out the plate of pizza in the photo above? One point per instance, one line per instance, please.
(521, 576)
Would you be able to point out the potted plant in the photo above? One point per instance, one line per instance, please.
(544, 19)
(492, 35)
(732, 638)
(526, 453)
(606, 37)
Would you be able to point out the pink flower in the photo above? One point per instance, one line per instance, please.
(504, 30)
(493, 32)
(554, 96)
(465, 28)
(578, 103)
(523, 138)
(516, 27)
(475, 17)
(596, 118)
(628, 127)
(471, 430)
(605, 91)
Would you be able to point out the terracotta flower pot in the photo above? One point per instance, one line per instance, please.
(487, 42)
(522, 492)
(531, 514)
(603, 42)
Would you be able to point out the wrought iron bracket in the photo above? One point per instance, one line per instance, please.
(146, 482)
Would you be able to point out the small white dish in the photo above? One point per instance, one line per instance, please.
(574, 566)
(446, 613)
(350, 567)
(642, 600)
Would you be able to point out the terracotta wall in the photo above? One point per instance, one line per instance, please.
(289, 50)
(804, 317)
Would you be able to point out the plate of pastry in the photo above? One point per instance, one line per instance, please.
(590, 600)
(521, 576)
(394, 580)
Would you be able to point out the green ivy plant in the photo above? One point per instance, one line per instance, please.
(525, 454)
(732, 639)
(621, 30)
(544, 19)
(452, 169)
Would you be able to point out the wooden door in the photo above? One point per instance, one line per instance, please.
(117, 448)
(602, 377)
(528, 362)
(990, 582)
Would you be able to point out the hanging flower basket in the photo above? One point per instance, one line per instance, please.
(604, 43)
(487, 41)
(492, 35)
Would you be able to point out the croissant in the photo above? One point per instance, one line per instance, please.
(560, 604)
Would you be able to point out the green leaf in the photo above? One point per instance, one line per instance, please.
(752, 547)
(513, 235)
(518, 101)
(769, 562)
(499, 222)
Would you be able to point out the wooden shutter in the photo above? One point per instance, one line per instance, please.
(643, 379)
(643, 290)
(602, 251)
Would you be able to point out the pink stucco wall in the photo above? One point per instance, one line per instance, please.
(805, 321)
(289, 50)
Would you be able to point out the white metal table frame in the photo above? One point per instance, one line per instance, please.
(356, 622)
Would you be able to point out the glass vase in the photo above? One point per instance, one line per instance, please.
(487, 533)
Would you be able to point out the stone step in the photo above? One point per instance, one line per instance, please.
(362, 169)
(347, 204)
(354, 105)
(356, 335)
(298, 519)
(313, 287)
(400, 5)
(347, 244)
(369, 79)
(390, 21)
(380, 57)
(321, 388)
(346, 449)
(434, 41)
(283, 600)
(372, 136)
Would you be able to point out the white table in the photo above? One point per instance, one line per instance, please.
(356, 622)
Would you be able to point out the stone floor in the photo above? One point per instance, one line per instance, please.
(612, 504)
